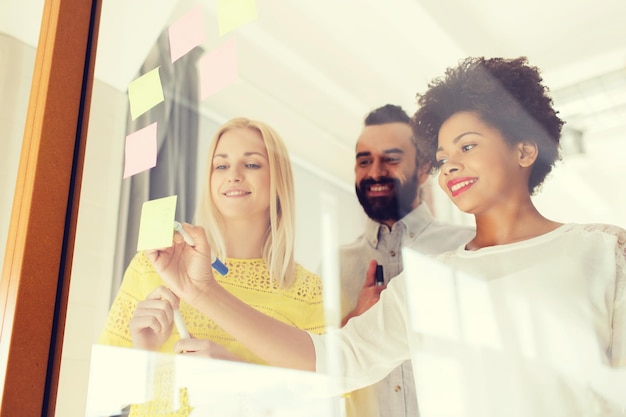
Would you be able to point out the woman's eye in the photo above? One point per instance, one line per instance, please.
(253, 166)
(466, 148)
(220, 167)
(440, 163)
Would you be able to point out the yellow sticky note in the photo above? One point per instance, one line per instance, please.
(145, 92)
(234, 13)
(156, 227)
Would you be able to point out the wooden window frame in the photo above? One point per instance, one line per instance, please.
(36, 272)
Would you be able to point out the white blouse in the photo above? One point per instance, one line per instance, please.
(536, 327)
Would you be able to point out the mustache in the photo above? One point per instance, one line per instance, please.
(368, 182)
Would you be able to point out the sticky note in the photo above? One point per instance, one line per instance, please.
(156, 227)
(232, 14)
(186, 33)
(218, 68)
(140, 151)
(145, 92)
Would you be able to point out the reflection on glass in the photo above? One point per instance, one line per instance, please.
(316, 101)
(523, 342)
(195, 386)
(109, 218)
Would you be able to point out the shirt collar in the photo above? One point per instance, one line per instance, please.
(415, 222)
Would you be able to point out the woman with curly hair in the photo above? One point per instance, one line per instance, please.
(536, 319)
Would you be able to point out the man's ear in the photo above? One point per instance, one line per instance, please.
(528, 153)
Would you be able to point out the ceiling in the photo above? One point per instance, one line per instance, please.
(313, 69)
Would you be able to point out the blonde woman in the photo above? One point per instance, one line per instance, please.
(247, 210)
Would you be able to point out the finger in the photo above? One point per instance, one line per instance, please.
(152, 254)
(178, 238)
(165, 294)
(158, 309)
(141, 322)
(370, 277)
(378, 289)
(159, 258)
(374, 292)
(160, 301)
(197, 233)
(185, 346)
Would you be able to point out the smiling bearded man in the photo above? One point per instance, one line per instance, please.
(388, 174)
(387, 199)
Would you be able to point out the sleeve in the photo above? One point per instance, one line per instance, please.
(139, 280)
(618, 344)
(371, 345)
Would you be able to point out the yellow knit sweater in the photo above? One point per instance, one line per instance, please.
(248, 279)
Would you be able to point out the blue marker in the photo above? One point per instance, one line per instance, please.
(216, 263)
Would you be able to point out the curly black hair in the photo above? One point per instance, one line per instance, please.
(507, 94)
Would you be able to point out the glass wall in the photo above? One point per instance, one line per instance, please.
(134, 39)
(19, 32)
(312, 71)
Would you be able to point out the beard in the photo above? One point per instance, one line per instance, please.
(392, 207)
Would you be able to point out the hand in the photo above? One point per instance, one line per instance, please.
(369, 294)
(152, 320)
(205, 348)
(185, 269)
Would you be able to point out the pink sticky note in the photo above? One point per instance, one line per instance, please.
(218, 68)
(186, 33)
(141, 150)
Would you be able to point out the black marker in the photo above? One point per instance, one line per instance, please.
(380, 278)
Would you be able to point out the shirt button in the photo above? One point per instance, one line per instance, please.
(412, 235)
(397, 388)
(392, 253)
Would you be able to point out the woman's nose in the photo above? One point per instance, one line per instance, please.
(450, 167)
(234, 175)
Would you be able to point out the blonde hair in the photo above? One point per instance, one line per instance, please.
(278, 248)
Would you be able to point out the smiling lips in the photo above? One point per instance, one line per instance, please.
(377, 190)
(459, 185)
(236, 193)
